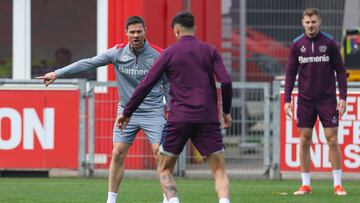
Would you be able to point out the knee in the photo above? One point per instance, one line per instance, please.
(305, 141)
(166, 165)
(164, 169)
(218, 170)
(156, 152)
(332, 142)
(118, 153)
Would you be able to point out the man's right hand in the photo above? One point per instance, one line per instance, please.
(48, 78)
(288, 109)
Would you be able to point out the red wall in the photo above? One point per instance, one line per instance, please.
(158, 15)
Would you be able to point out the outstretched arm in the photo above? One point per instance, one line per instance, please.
(80, 66)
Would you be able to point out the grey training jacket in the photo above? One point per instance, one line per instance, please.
(130, 70)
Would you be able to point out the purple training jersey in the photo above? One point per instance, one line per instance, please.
(190, 65)
(316, 60)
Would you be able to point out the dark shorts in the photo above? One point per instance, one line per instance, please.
(206, 137)
(307, 114)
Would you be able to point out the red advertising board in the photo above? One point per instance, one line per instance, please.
(39, 128)
(348, 138)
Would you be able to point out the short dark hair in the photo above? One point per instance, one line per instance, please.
(311, 11)
(132, 20)
(184, 18)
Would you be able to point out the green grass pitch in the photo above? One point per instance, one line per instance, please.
(77, 190)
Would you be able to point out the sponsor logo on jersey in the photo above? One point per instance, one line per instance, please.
(137, 72)
(303, 49)
(314, 59)
(322, 48)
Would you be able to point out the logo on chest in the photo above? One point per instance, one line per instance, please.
(303, 49)
(135, 72)
(322, 48)
(124, 58)
(149, 61)
(313, 59)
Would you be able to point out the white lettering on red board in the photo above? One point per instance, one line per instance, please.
(319, 151)
(30, 125)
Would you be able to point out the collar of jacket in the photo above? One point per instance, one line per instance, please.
(141, 49)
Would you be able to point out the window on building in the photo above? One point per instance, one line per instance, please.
(62, 32)
(6, 38)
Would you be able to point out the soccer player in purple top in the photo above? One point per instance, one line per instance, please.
(190, 66)
(316, 58)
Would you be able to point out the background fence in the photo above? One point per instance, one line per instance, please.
(269, 28)
(256, 36)
(50, 123)
(247, 141)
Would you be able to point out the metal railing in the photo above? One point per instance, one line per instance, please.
(247, 142)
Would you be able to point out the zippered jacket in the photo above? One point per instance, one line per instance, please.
(319, 64)
(130, 69)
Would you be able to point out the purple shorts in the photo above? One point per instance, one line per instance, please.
(307, 114)
(206, 137)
